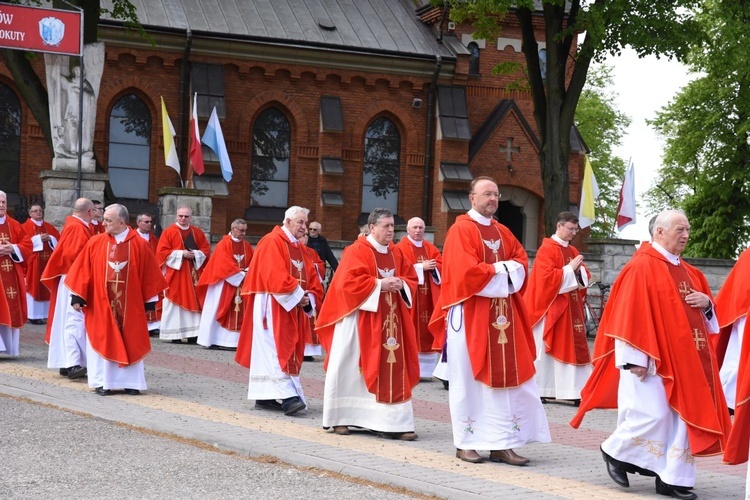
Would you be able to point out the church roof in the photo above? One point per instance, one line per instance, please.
(390, 26)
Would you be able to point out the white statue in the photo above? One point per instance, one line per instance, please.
(64, 87)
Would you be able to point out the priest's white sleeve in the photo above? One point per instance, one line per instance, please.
(200, 258)
(175, 260)
(236, 279)
(508, 279)
(290, 300)
(627, 354)
(569, 281)
(38, 244)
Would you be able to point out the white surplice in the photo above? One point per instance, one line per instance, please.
(68, 342)
(210, 332)
(731, 365)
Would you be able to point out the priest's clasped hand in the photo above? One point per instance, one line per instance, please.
(188, 254)
(391, 284)
(697, 299)
(305, 301)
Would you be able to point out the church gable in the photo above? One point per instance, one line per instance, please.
(488, 129)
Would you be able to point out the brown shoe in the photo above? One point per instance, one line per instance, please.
(341, 430)
(508, 456)
(401, 436)
(470, 456)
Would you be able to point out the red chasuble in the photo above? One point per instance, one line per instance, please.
(38, 260)
(13, 300)
(388, 345)
(116, 281)
(498, 334)
(320, 268)
(564, 331)
(278, 267)
(646, 309)
(733, 302)
(182, 282)
(153, 243)
(75, 234)
(428, 293)
(229, 258)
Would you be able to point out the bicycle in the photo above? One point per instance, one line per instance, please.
(591, 319)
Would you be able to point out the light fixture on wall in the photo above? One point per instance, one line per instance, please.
(510, 169)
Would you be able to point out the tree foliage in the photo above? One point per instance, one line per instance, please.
(706, 128)
(665, 27)
(602, 126)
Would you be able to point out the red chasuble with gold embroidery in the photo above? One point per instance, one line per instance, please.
(646, 309)
(564, 331)
(498, 334)
(116, 281)
(38, 260)
(228, 258)
(278, 267)
(182, 282)
(319, 268)
(387, 341)
(428, 292)
(13, 300)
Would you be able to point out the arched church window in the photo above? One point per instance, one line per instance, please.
(10, 140)
(272, 144)
(473, 58)
(129, 148)
(382, 165)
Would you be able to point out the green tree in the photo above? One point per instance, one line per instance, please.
(706, 128)
(605, 26)
(602, 126)
(19, 64)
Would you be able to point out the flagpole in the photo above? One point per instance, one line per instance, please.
(614, 219)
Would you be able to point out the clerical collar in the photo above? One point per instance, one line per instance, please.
(37, 222)
(672, 258)
(236, 240)
(485, 221)
(380, 248)
(80, 219)
(95, 222)
(119, 238)
(289, 235)
(145, 236)
(559, 240)
(416, 243)
(182, 227)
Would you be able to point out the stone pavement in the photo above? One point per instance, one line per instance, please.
(201, 394)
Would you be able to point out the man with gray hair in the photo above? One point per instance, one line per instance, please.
(15, 248)
(653, 362)
(182, 252)
(219, 290)
(116, 272)
(44, 237)
(371, 345)
(282, 289)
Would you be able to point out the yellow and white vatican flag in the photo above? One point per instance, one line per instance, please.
(170, 151)
(589, 194)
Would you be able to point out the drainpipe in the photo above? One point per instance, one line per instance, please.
(428, 141)
(184, 81)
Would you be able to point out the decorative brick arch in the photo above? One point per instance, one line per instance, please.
(298, 121)
(400, 117)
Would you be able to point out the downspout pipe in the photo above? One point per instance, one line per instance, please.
(184, 98)
(428, 140)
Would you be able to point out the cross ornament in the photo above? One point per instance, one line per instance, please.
(4, 238)
(698, 339)
(577, 325)
(425, 316)
(684, 288)
(510, 149)
(11, 292)
(7, 265)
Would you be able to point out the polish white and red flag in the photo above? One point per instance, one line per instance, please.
(626, 207)
(195, 152)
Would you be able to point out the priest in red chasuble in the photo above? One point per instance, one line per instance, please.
(494, 401)
(282, 291)
(114, 281)
(312, 342)
(220, 287)
(653, 362)
(372, 362)
(182, 252)
(66, 333)
(144, 224)
(15, 249)
(554, 298)
(44, 237)
(428, 264)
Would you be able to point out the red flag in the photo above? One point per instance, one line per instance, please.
(195, 152)
(626, 207)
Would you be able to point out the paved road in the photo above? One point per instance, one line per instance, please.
(199, 396)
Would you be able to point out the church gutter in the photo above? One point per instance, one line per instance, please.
(184, 74)
(429, 147)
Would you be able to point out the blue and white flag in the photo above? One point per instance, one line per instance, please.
(214, 139)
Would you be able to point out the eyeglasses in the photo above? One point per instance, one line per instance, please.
(314, 229)
(572, 229)
(146, 221)
(38, 210)
(183, 216)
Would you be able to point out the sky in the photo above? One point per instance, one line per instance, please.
(643, 86)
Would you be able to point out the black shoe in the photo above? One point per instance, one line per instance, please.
(668, 490)
(64, 371)
(192, 340)
(446, 385)
(77, 371)
(292, 405)
(132, 392)
(153, 333)
(308, 358)
(177, 341)
(268, 404)
(102, 391)
(37, 321)
(616, 471)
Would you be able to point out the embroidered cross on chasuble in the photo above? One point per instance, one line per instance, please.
(117, 280)
(298, 271)
(423, 303)
(9, 280)
(698, 334)
(231, 305)
(385, 328)
(577, 319)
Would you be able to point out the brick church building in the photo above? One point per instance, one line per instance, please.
(337, 106)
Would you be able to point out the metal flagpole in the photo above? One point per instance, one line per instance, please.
(80, 107)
